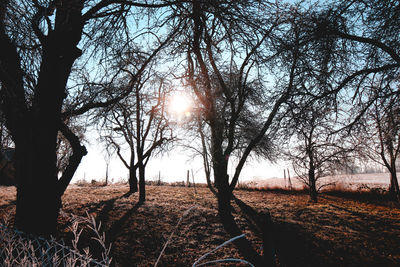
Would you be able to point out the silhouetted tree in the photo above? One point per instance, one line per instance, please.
(41, 43)
(234, 101)
(140, 122)
(379, 131)
(317, 149)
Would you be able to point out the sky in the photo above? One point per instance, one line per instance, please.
(172, 167)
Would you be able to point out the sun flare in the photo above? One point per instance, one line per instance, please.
(180, 105)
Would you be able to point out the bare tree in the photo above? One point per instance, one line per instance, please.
(234, 103)
(63, 148)
(304, 50)
(369, 34)
(319, 149)
(379, 132)
(363, 48)
(140, 122)
(41, 43)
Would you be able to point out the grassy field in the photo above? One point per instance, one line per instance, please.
(352, 182)
(336, 231)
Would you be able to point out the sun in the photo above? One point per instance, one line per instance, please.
(180, 105)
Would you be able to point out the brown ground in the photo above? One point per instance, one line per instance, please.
(333, 232)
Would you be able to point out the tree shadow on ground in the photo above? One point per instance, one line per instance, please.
(117, 226)
(115, 229)
(289, 243)
(261, 224)
(295, 245)
(101, 208)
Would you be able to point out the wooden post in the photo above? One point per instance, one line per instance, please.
(194, 184)
(284, 176)
(187, 179)
(290, 182)
(106, 182)
(159, 177)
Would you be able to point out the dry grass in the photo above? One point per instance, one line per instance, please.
(336, 231)
(19, 249)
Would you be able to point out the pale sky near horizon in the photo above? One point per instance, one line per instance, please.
(172, 167)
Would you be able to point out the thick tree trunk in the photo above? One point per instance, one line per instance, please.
(394, 190)
(133, 181)
(224, 196)
(394, 185)
(38, 195)
(38, 198)
(312, 184)
(142, 184)
(311, 170)
(244, 246)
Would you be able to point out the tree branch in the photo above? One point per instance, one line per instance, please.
(78, 152)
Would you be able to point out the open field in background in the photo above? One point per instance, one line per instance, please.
(343, 182)
(335, 231)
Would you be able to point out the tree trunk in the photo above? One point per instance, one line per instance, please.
(34, 124)
(394, 183)
(244, 246)
(133, 181)
(312, 184)
(142, 183)
(224, 196)
(38, 198)
(311, 170)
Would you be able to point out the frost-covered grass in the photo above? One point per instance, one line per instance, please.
(20, 249)
(336, 231)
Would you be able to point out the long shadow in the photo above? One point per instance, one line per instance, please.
(103, 216)
(261, 224)
(116, 227)
(252, 216)
(289, 244)
(294, 245)
(376, 198)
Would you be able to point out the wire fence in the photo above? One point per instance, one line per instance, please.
(21, 249)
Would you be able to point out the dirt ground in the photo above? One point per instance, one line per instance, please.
(333, 232)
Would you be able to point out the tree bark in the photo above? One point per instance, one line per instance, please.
(38, 195)
(142, 183)
(312, 184)
(224, 196)
(228, 221)
(133, 181)
(394, 183)
(311, 168)
(38, 201)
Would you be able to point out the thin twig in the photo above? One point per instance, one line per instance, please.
(173, 232)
